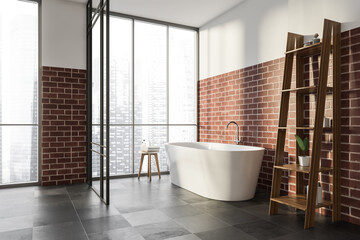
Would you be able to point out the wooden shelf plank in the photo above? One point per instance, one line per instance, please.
(298, 168)
(293, 127)
(325, 129)
(307, 90)
(298, 201)
(312, 49)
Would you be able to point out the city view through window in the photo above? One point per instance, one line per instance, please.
(18, 92)
(152, 91)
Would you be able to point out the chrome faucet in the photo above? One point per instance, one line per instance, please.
(237, 138)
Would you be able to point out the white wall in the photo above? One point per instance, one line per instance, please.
(63, 34)
(255, 30)
(250, 33)
(306, 16)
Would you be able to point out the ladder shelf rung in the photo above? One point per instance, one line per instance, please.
(298, 168)
(307, 90)
(298, 201)
(325, 129)
(312, 49)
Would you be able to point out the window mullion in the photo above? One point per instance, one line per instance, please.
(133, 96)
(167, 89)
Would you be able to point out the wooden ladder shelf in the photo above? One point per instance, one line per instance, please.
(294, 48)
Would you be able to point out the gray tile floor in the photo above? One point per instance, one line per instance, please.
(153, 211)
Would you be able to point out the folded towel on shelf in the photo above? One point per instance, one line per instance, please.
(153, 149)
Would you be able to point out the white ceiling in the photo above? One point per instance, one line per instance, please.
(193, 13)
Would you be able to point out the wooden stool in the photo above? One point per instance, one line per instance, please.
(149, 163)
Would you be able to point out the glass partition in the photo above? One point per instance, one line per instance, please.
(152, 93)
(98, 101)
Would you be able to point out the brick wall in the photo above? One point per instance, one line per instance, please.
(251, 97)
(350, 125)
(63, 126)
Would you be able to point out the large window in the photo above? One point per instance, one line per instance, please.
(18, 92)
(152, 90)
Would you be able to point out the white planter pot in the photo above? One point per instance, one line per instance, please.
(304, 161)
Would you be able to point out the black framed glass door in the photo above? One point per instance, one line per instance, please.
(98, 104)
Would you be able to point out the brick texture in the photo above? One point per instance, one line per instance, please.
(63, 126)
(251, 97)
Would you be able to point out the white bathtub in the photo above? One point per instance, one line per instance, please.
(213, 170)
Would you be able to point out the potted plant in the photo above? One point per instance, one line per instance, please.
(304, 146)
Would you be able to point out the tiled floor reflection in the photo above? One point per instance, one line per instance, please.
(152, 211)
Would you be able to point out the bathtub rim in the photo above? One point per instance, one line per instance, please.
(249, 148)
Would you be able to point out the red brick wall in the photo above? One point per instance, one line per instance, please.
(63, 126)
(251, 97)
(350, 125)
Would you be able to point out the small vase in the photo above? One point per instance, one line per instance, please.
(304, 161)
(318, 193)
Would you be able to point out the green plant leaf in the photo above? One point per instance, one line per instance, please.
(300, 142)
(303, 144)
(306, 143)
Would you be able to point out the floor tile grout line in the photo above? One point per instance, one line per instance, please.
(77, 214)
